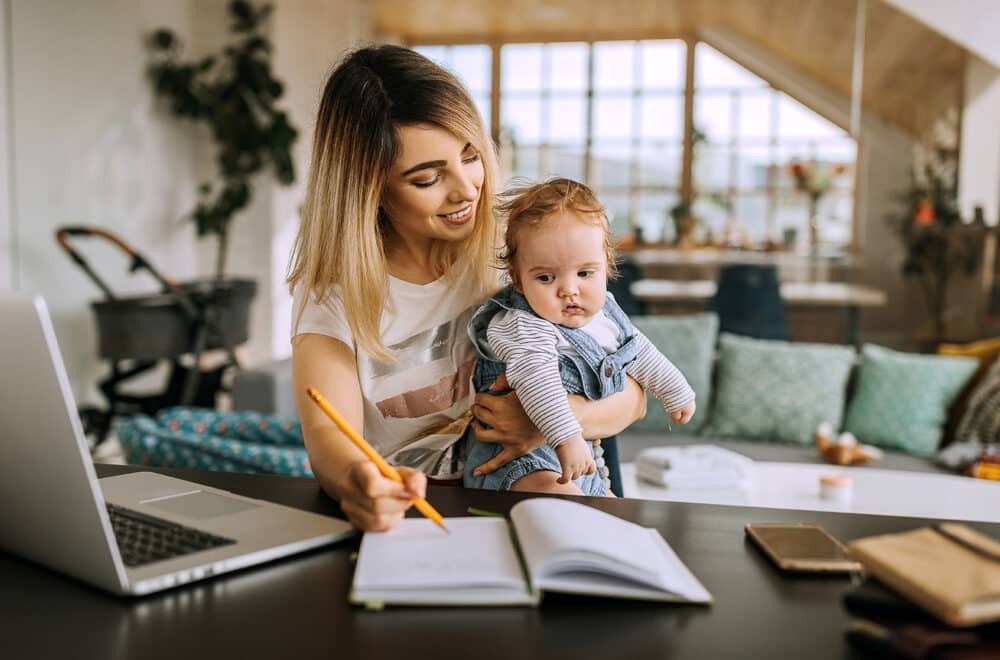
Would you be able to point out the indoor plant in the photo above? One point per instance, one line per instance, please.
(235, 94)
(937, 243)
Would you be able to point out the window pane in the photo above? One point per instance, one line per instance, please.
(437, 54)
(662, 116)
(660, 164)
(713, 115)
(617, 206)
(521, 67)
(525, 162)
(568, 119)
(662, 64)
(792, 220)
(568, 161)
(750, 212)
(611, 163)
(614, 65)
(654, 218)
(612, 116)
(568, 66)
(796, 120)
(522, 119)
(753, 165)
(712, 168)
(755, 114)
(473, 65)
(712, 212)
(835, 212)
(482, 101)
(713, 69)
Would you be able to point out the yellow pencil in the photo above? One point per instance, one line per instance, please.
(389, 472)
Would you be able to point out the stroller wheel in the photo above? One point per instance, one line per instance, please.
(96, 424)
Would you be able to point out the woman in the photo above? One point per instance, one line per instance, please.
(395, 252)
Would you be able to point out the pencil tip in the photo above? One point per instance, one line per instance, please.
(446, 530)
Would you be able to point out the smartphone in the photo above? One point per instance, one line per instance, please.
(801, 547)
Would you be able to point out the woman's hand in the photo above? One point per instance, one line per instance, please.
(374, 503)
(509, 425)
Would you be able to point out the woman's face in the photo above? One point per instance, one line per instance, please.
(433, 187)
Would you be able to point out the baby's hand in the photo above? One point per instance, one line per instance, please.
(575, 458)
(684, 415)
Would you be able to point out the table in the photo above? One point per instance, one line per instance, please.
(812, 295)
(297, 607)
(876, 491)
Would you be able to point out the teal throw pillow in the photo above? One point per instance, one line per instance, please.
(778, 390)
(688, 342)
(902, 399)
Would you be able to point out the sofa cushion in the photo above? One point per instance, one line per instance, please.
(902, 399)
(777, 390)
(980, 423)
(688, 342)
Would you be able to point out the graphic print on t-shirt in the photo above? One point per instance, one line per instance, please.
(401, 394)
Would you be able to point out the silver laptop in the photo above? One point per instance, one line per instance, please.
(130, 534)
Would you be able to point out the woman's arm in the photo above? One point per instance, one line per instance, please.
(513, 430)
(370, 501)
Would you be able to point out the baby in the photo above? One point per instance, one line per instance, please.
(556, 329)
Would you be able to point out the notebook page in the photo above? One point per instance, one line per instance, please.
(417, 554)
(562, 541)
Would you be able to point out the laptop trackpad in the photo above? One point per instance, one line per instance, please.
(201, 505)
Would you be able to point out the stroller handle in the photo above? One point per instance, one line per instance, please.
(63, 235)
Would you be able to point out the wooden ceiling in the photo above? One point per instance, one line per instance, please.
(911, 74)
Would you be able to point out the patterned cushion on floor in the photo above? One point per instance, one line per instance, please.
(203, 439)
(902, 399)
(777, 390)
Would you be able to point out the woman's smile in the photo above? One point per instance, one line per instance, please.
(459, 217)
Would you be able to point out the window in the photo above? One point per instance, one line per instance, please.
(747, 134)
(612, 114)
(473, 65)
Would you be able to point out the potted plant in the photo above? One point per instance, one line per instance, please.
(235, 94)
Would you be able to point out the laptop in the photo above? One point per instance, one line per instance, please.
(129, 534)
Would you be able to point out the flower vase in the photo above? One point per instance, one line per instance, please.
(813, 223)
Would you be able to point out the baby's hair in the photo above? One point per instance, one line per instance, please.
(531, 204)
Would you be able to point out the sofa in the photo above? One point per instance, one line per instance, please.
(762, 398)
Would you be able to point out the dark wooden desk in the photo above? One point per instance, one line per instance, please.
(297, 608)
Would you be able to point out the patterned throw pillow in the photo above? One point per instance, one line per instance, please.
(902, 399)
(688, 342)
(981, 421)
(778, 390)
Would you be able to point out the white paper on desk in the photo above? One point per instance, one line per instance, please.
(417, 555)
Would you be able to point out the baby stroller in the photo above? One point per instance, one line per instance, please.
(177, 325)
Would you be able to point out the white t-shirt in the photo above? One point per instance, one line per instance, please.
(409, 403)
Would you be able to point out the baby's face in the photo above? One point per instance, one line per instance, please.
(561, 268)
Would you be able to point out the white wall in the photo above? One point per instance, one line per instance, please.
(91, 147)
(6, 155)
(310, 36)
(971, 23)
(979, 168)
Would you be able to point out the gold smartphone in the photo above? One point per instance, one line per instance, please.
(801, 547)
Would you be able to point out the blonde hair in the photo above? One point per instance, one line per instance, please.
(370, 94)
(530, 205)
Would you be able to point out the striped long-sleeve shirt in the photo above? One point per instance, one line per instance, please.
(530, 347)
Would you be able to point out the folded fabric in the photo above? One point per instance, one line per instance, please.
(694, 457)
(674, 478)
(693, 466)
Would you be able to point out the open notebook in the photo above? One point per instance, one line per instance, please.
(549, 545)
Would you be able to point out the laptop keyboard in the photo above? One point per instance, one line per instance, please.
(144, 539)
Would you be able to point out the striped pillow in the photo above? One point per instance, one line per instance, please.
(981, 421)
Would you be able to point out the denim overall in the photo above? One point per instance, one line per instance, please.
(591, 372)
